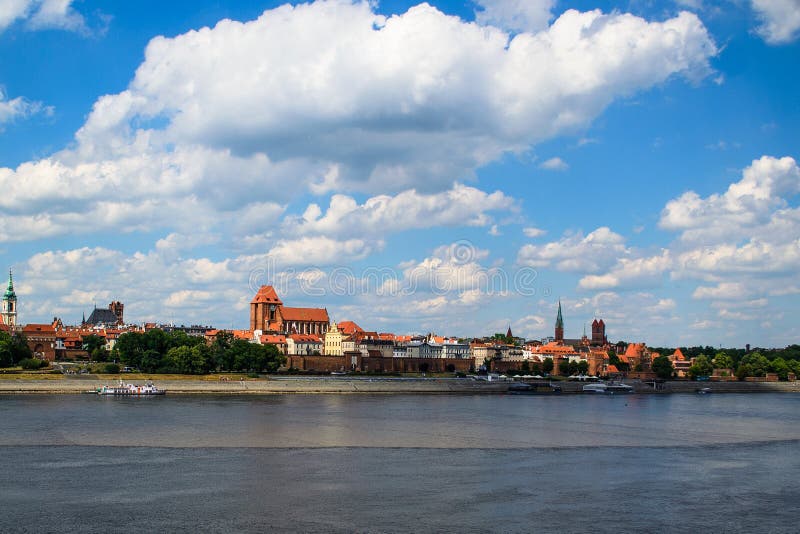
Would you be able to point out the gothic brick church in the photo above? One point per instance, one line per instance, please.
(268, 314)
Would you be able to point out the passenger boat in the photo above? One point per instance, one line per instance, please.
(611, 388)
(128, 390)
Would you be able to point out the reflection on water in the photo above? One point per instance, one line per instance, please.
(399, 421)
(725, 463)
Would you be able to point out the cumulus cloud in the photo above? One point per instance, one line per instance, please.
(739, 244)
(515, 15)
(780, 20)
(631, 272)
(751, 228)
(554, 164)
(747, 204)
(576, 253)
(460, 206)
(321, 250)
(332, 97)
(41, 14)
(531, 231)
(19, 108)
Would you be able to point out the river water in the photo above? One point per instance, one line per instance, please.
(397, 463)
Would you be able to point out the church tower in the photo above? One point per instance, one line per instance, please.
(559, 324)
(9, 310)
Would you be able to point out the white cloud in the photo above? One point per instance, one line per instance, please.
(533, 232)
(320, 250)
(576, 253)
(722, 291)
(747, 204)
(337, 98)
(41, 14)
(554, 164)
(631, 272)
(379, 215)
(780, 20)
(515, 15)
(529, 326)
(19, 108)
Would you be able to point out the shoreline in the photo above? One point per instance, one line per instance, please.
(355, 386)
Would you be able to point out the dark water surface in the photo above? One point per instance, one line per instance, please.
(678, 463)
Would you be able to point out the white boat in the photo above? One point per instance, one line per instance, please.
(131, 390)
(611, 388)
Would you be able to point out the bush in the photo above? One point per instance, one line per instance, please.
(252, 375)
(111, 368)
(32, 364)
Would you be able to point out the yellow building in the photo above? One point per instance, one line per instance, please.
(333, 341)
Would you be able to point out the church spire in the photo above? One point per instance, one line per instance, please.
(9, 294)
(559, 324)
(9, 306)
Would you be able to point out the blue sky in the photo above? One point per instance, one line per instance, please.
(452, 167)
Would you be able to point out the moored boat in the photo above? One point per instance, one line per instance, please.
(128, 390)
(610, 388)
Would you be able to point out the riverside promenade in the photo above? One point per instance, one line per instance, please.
(12, 384)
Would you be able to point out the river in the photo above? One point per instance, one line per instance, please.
(400, 463)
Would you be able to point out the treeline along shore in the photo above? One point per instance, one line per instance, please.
(16, 384)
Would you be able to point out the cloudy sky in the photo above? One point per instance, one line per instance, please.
(453, 167)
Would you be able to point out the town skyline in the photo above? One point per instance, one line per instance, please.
(452, 167)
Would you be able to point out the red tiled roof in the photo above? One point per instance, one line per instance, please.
(613, 369)
(349, 327)
(242, 334)
(270, 339)
(635, 350)
(678, 355)
(267, 295)
(39, 328)
(319, 315)
(304, 338)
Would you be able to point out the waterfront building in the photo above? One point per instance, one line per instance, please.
(268, 314)
(9, 306)
(332, 341)
(41, 340)
(423, 349)
(111, 316)
(303, 344)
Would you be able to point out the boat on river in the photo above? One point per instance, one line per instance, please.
(131, 390)
(609, 388)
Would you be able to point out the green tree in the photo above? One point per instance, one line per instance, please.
(583, 367)
(187, 360)
(662, 367)
(756, 364)
(95, 346)
(563, 367)
(722, 361)
(6, 352)
(779, 366)
(701, 367)
(221, 358)
(547, 365)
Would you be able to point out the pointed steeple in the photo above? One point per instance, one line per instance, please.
(9, 305)
(559, 324)
(559, 319)
(9, 294)
(509, 335)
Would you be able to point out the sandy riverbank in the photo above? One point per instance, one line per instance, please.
(11, 384)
